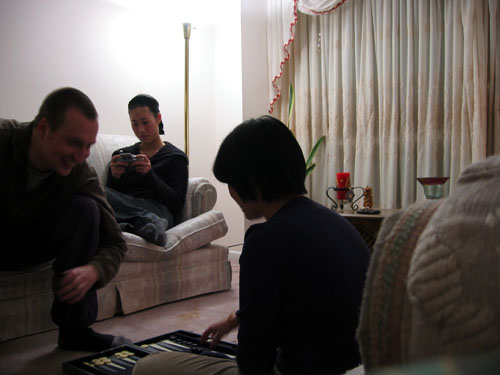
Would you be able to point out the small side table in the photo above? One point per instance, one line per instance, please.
(367, 225)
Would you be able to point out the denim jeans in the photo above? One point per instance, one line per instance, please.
(137, 211)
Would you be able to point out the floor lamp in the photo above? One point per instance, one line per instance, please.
(187, 35)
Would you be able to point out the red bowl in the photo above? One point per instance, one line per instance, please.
(432, 180)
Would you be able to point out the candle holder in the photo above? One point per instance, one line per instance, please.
(338, 204)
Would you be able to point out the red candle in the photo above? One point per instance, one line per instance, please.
(343, 182)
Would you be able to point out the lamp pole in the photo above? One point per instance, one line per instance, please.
(187, 35)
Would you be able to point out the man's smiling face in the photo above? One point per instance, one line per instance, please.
(68, 145)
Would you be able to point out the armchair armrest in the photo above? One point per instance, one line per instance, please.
(200, 198)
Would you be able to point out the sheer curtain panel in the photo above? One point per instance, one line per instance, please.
(402, 88)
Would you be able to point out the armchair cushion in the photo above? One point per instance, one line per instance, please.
(188, 235)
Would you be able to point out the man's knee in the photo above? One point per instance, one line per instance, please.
(81, 208)
(75, 235)
(83, 203)
(73, 216)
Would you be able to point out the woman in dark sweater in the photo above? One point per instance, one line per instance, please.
(147, 181)
(302, 271)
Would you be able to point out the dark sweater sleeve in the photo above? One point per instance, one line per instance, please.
(114, 183)
(258, 334)
(170, 189)
(166, 182)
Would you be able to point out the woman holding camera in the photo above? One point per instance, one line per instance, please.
(147, 181)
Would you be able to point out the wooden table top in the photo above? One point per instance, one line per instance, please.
(384, 212)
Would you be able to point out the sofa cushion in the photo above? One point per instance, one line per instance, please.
(454, 278)
(188, 235)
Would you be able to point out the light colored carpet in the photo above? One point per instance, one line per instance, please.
(39, 354)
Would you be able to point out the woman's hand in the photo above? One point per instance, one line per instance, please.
(218, 330)
(117, 167)
(142, 164)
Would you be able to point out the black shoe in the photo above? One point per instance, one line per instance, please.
(88, 340)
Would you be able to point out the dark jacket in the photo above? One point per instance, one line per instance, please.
(302, 274)
(20, 209)
(166, 182)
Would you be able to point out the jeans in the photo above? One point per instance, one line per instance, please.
(137, 211)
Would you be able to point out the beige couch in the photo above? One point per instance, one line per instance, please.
(150, 275)
(433, 283)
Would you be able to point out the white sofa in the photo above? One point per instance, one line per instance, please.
(188, 265)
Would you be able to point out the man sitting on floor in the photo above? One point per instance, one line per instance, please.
(53, 207)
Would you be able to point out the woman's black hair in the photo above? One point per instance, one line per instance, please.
(144, 100)
(261, 156)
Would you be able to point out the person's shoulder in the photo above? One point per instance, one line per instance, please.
(14, 137)
(170, 149)
(274, 229)
(306, 206)
(262, 231)
(257, 227)
(307, 202)
(301, 213)
(11, 126)
(259, 237)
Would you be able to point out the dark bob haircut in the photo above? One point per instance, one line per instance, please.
(59, 101)
(144, 100)
(261, 156)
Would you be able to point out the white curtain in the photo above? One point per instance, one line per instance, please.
(402, 88)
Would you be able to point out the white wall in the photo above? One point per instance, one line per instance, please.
(254, 58)
(254, 63)
(112, 50)
(228, 107)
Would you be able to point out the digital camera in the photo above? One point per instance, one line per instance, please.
(128, 157)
